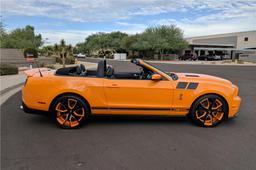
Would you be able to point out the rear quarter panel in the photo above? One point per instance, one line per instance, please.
(39, 92)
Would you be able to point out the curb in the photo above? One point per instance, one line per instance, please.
(10, 88)
(7, 92)
(7, 95)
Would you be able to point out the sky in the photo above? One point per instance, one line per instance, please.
(74, 20)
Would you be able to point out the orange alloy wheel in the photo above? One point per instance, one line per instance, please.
(70, 112)
(209, 110)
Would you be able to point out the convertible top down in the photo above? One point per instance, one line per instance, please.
(72, 94)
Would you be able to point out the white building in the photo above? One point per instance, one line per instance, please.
(241, 44)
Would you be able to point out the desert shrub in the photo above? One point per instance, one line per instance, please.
(108, 53)
(68, 60)
(51, 66)
(240, 62)
(7, 69)
(41, 64)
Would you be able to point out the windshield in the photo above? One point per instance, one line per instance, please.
(170, 74)
(155, 67)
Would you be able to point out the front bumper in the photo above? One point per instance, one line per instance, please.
(234, 107)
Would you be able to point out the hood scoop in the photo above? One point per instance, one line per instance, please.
(192, 75)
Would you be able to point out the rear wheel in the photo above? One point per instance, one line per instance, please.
(70, 111)
(209, 111)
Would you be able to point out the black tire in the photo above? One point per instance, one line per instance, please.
(209, 110)
(70, 111)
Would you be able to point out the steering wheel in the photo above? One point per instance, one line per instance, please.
(142, 73)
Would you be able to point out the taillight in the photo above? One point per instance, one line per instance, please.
(26, 81)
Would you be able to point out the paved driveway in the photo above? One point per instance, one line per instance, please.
(33, 142)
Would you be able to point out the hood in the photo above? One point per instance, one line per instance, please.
(202, 78)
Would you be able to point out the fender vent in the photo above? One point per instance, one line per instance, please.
(181, 85)
(186, 85)
(192, 86)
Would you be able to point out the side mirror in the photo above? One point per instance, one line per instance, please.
(156, 77)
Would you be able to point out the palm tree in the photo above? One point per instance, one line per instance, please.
(63, 51)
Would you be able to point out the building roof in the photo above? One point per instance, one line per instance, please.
(221, 35)
(210, 44)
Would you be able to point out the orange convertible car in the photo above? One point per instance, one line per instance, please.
(72, 94)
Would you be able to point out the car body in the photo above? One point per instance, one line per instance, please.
(150, 91)
(225, 57)
(80, 55)
(217, 57)
(187, 56)
(210, 57)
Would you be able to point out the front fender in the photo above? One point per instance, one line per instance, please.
(184, 98)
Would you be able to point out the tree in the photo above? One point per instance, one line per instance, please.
(115, 40)
(103, 41)
(80, 48)
(154, 40)
(164, 38)
(21, 38)
(47, 50)
(2, 33)
(63, 50)
(96, 41)
(2, 30)
(130, 43)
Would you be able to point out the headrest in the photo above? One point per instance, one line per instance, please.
(110, 71)
(101, 70)
(82, 67)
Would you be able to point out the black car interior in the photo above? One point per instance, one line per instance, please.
(105, 71)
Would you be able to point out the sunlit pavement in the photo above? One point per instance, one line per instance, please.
(34, 142)
(10, 84)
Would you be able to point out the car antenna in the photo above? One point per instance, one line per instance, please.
(41, 75)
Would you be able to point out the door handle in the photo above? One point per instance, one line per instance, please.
(113, 86)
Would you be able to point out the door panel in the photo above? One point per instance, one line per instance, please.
(138, 96)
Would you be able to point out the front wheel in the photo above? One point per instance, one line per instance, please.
(70, 111)
(209, 111)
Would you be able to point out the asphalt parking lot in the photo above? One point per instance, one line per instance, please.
(34, 142)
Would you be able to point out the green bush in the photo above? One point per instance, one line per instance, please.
(30, 51)
(240, 62)
(7, 69)
(68, 60)
(108, 53)
(50, 66)
(41, 64)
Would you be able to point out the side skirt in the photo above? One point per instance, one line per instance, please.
(139, 116)
(131, 111)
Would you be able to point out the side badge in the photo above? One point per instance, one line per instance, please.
(181, 97)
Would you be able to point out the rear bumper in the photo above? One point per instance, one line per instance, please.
(234, 107)
(32, 111)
